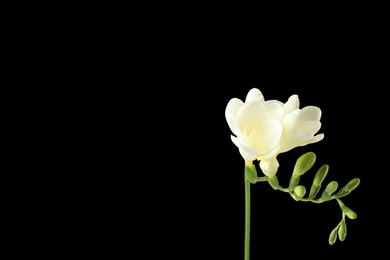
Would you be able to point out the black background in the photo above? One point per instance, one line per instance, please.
(161, 177)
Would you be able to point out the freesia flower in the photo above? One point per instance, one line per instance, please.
(263, 129)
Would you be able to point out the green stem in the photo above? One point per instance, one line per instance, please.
(247, 218)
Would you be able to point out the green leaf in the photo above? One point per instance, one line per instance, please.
(333, 236)
(304, 163)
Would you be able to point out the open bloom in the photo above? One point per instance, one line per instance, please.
(263, 129)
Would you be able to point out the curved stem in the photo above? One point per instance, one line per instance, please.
(247, 218)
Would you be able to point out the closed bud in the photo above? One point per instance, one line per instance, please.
(342, 232)
(294, 181)
(320, 175)
(304, 163)
(349, 212)
(333, 236)
(330, 188)
(351, 185)
(300, 191)
(313, 191)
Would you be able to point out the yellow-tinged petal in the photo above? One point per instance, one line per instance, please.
(259, 132)
(246, 152)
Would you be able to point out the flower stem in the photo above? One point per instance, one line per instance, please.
(247, 217)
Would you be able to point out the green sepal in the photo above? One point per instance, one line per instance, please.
(330, 188)
(294, 181)
(304, 163)
(342, 232)
(273, 181)
(251, 173)
(350, 186)
(333, 236)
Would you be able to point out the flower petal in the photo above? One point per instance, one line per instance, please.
(309, 126)
(291, 104)
(274, 109)
(254, 95)
(246, 152)
(231, 111)
(260, 133)
(310, 113)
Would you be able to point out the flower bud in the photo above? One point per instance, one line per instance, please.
(300, 191)
(269, 167)
(294, 180)
(304, 163)
(351, 185)
(333, 236)
(313, 191)
(330, 188)
(321, 174)
(349, 212)
(342, 232)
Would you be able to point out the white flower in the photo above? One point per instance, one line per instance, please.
(263, 129)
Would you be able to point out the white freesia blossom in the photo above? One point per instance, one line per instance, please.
(263, 129)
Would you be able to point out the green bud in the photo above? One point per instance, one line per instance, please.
(318, 179)
(300, 191)
(333, 236)
(351, 185)
(294, 180)
(320, 175)
(349, 212)
(251, 173)
(342, 232)
(304, 163)
(342, 192)
(313, 191)
(330, 188)
(273, 181)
